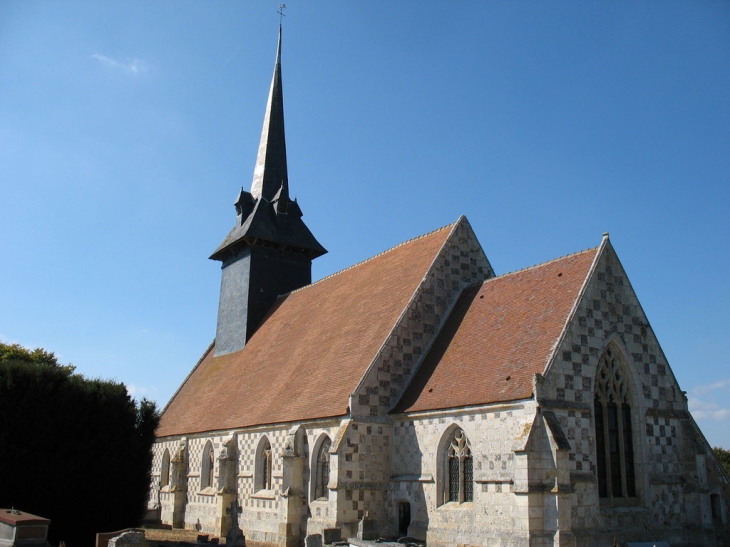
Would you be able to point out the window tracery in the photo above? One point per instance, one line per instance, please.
(459, 469)
(614, 438)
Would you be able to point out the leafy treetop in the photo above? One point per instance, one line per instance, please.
(724, 457)
(15, 353)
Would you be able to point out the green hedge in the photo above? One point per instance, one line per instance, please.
(72, 449)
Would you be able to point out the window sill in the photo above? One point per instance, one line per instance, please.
(620, 505)
(320, 501)
(264, 495)
(456, 506)
(210, 491)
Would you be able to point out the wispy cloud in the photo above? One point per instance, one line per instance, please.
(136, 391)
(701, 390)
(702, 402)
(129, 66)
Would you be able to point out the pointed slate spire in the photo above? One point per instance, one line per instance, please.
(267, 214)
(270, 173)
(269, 251)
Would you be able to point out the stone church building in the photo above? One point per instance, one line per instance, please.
(424, 393)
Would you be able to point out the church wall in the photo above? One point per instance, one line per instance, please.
(461, 262)
(362, 472)
(160, 497)
(666, 440)
(200, 509)
(260, 518)
(498, 515)
(319, 514)
(263, 511)
(364, 458)
(535, 480)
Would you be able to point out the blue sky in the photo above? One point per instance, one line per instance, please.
(127, 128)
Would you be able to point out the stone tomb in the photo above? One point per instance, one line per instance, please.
(20, 528)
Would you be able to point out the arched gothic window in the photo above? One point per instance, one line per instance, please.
(207, 466)
(614, 439)
(459, 469)
(263, 465)
(165, 469)
(322, 473)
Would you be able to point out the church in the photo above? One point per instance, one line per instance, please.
(420, 394)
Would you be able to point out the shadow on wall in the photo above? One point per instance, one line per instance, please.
(409, 510)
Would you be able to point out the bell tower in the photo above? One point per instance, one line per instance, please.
(269, 251)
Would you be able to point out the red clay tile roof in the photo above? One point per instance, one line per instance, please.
(499, 335)
(311, 351)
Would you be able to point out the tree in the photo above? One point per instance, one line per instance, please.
(723, 457)
(75, 450)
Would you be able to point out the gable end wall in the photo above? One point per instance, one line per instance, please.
(665, 456)
(460, 262)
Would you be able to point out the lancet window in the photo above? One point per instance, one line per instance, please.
(165, 469)
(264, 465)
(322, 473)
(459, 469)
(614, 439)
(207, 466)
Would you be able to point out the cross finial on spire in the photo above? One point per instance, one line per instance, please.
(282, 7)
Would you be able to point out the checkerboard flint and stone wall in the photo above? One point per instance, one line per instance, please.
(262, 509)
(322, 513)
(362, 463)
(609, 312)
(460, 263)
(364, 456)
(160, 497)
(496, 516)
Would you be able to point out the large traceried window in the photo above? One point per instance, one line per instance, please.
(614, 439)
(322, 472)
(165, 469)
(459, 469)
(207, 466)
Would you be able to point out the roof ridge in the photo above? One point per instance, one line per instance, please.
(205, 354)
(538, 265)
(406, 242)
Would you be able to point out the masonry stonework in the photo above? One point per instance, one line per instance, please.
(534, 461)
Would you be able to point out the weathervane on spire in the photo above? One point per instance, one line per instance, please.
(282, 7)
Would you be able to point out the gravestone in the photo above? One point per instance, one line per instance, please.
(313, 540)
(130, 537)
(21, 528)
(367, 528)
(332, 535)
(235, 537)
